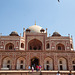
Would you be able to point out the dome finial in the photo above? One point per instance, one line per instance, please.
(35, 22)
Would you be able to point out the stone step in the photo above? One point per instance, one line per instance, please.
(33, 73)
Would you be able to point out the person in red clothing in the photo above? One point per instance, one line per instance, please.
(40, 68)
(36, 67)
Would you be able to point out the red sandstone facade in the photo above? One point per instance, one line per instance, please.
(35, 48)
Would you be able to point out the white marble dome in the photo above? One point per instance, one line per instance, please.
(35, 28)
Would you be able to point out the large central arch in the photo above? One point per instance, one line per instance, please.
(35, 45)
(34, 62)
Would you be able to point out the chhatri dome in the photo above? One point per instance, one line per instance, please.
(14, 33)
(35, 28)
(56, 34)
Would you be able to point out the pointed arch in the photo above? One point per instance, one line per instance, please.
(7, 62)
(20, 63)
(9, 46)
(22, 45)
(62, 64)
(48, 63)
(60, 46)
(34, 62)
(35, 44)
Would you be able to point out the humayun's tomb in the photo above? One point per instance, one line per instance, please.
(35, 48)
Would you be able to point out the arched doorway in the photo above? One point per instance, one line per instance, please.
(47, 67)
(34, 62)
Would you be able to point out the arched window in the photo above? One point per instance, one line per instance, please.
(9, 46)
(21, 61)
(8, 62)
(30, 47)
(71, 46)
(60, 62)
(47, 62)
(60, 46)
(73, 62)
(47, 46)
(22, 45)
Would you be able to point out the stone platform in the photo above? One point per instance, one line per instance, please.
(27, 72)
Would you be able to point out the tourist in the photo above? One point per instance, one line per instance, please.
(32, 68)
(36, 67)
(58, 73)
(40, 68)
(29, 68)
(44, 68)
(70, 73)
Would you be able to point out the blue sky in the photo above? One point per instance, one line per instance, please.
(16, 14)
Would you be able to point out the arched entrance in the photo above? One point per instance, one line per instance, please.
(34, 62)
